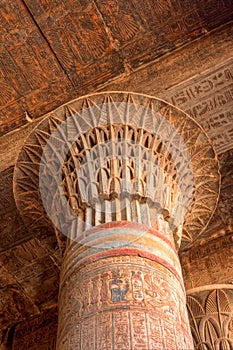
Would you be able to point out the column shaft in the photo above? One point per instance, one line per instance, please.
(125, 297)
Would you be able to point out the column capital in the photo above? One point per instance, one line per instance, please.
(118, 156)
(210, 310)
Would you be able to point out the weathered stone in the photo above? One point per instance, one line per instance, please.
(211, 316)
(180, 51)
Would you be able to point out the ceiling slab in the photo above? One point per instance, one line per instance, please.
(56, 50)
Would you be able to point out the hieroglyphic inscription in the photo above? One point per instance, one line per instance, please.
(156, 341)
(121, 321)
(38, 333)
(34, 270)
(124, 23)
(25, 59)
(225, 207)
(209, 263)
(86, 53)
(87, 40)
(139, 331)
(85, 44)
(208, 98)
(12, 228)
(14, 303)
(88, 334)
(104, 332)
(168, 334)
(151, 293)
(166, 31)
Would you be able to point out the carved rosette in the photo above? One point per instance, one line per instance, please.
(210, 310)
(118, 157)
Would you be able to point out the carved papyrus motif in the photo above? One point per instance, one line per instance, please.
(211, 318)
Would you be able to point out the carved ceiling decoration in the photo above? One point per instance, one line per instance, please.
(54, 50)
(208, 98)
(210, 262)
(177, 144)
(33, 332)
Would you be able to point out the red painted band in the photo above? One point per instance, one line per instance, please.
(130, 251)
(128, 225)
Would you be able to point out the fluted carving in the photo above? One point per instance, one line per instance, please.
(211, 317)
(118, 172)
(118, 156)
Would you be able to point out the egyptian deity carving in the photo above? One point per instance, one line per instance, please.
(137, 286)
(119, 290)
(119, 286)
(137, 301)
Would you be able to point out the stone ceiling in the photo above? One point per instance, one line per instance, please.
(55, 50)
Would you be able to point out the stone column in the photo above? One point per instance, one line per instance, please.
(120, 175)
(128, 296)
(210, 311)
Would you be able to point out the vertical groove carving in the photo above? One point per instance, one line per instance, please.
(211, 318)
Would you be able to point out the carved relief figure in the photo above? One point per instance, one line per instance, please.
(119, 289)
(137, 286)
(95, 291)
(87, 39)
(123, 24)
(105, 294)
